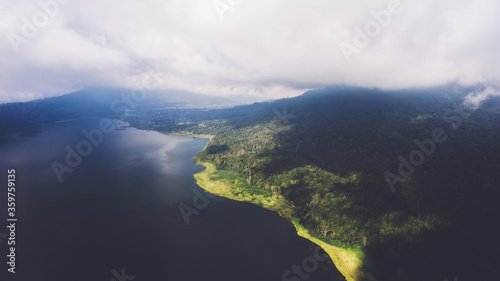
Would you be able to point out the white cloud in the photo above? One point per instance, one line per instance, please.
(267, 48)
(475, 99)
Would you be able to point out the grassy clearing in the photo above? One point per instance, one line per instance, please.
(230, 185)
(348, 262)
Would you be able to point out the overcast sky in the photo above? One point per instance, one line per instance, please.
(272, 49)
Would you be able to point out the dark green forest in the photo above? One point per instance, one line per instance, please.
(328, 153)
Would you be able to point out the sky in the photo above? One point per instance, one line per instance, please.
(266, 49)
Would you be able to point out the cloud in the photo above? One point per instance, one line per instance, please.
(268, 49)
(475, 99)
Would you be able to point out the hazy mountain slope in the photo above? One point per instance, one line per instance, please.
(113, 102)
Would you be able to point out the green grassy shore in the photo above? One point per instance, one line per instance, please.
(187, 134)
(230, 185)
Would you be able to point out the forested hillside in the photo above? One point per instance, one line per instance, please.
(334, 156)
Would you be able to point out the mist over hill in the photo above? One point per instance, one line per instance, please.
(110, 102)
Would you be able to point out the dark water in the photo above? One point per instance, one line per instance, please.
(119, 209)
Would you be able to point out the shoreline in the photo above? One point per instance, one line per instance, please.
(347, 262)
(191, 135)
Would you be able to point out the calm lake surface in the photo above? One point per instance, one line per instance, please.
(119, 209)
